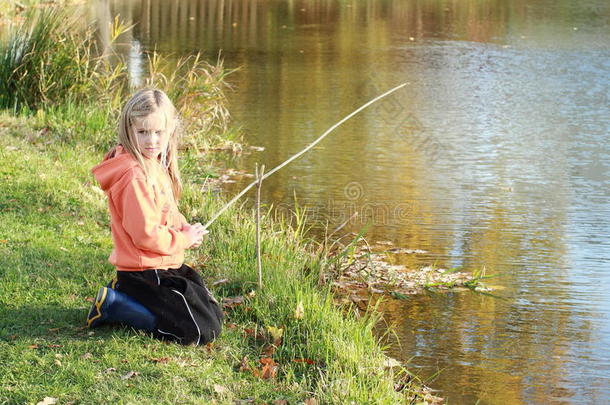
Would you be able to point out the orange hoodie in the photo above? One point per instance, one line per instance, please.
(145, 221)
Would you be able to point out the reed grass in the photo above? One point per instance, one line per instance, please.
(52, 66)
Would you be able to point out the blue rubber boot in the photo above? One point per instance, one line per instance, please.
(113, 306)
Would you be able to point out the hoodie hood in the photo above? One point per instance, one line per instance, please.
(116, 163)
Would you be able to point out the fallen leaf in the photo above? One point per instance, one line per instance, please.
(243, 366)
(268, 371)
(276, 333)
(33, 346)
(218, 282)
(129, 375)
(110, 370)
(63, 248)
(220, 389)
(231, 326)
(308, 361)
(47, 401)
(311, 401)
(269, 350)
(161, 360)
(267, 360)
(53, 330)
(232, 302)
(280, 402)
(54, 346)
(57, 362)
(299, 311)
(86, 356)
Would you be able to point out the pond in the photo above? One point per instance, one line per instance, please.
(494, 155)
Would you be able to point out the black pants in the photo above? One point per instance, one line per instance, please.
(186, 310)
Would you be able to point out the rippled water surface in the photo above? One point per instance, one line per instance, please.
(495, 155)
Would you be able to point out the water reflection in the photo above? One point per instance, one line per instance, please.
(494, 156)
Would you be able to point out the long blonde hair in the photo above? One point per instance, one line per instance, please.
(140, 105)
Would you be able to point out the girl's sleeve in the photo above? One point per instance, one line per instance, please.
(182, 219)
(142, 221)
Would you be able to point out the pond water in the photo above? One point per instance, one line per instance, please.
(495, 155)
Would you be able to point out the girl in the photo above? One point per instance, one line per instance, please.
(154, 290)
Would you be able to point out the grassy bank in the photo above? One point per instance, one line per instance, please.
(287, 343)
(54, 242)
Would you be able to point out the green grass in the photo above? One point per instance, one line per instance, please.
(51, 65)
(54, 244)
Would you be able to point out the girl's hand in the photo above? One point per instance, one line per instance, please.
(194, 234)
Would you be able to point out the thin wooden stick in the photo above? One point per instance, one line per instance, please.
(259, 184)
(311, 145)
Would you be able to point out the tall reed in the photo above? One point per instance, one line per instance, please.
(51, 64)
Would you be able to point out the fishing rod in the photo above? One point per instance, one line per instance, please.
(299, 154)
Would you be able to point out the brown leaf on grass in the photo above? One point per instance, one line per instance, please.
(269, 350)
(267, 360)
(308, 361)
(255, 333)
(232, 302)
(311, 401)
(280, 402)
(54, 346)
(231, 325)
(268, 371)
(218, 282)
(53, 330)
(160, 360)
(129, 375)
(90, 299)
(86, 356)
(34, 346)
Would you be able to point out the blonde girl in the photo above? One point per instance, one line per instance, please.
(154, 290)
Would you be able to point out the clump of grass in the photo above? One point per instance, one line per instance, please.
(51, 66)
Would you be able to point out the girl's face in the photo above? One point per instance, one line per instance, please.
(152, 134)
